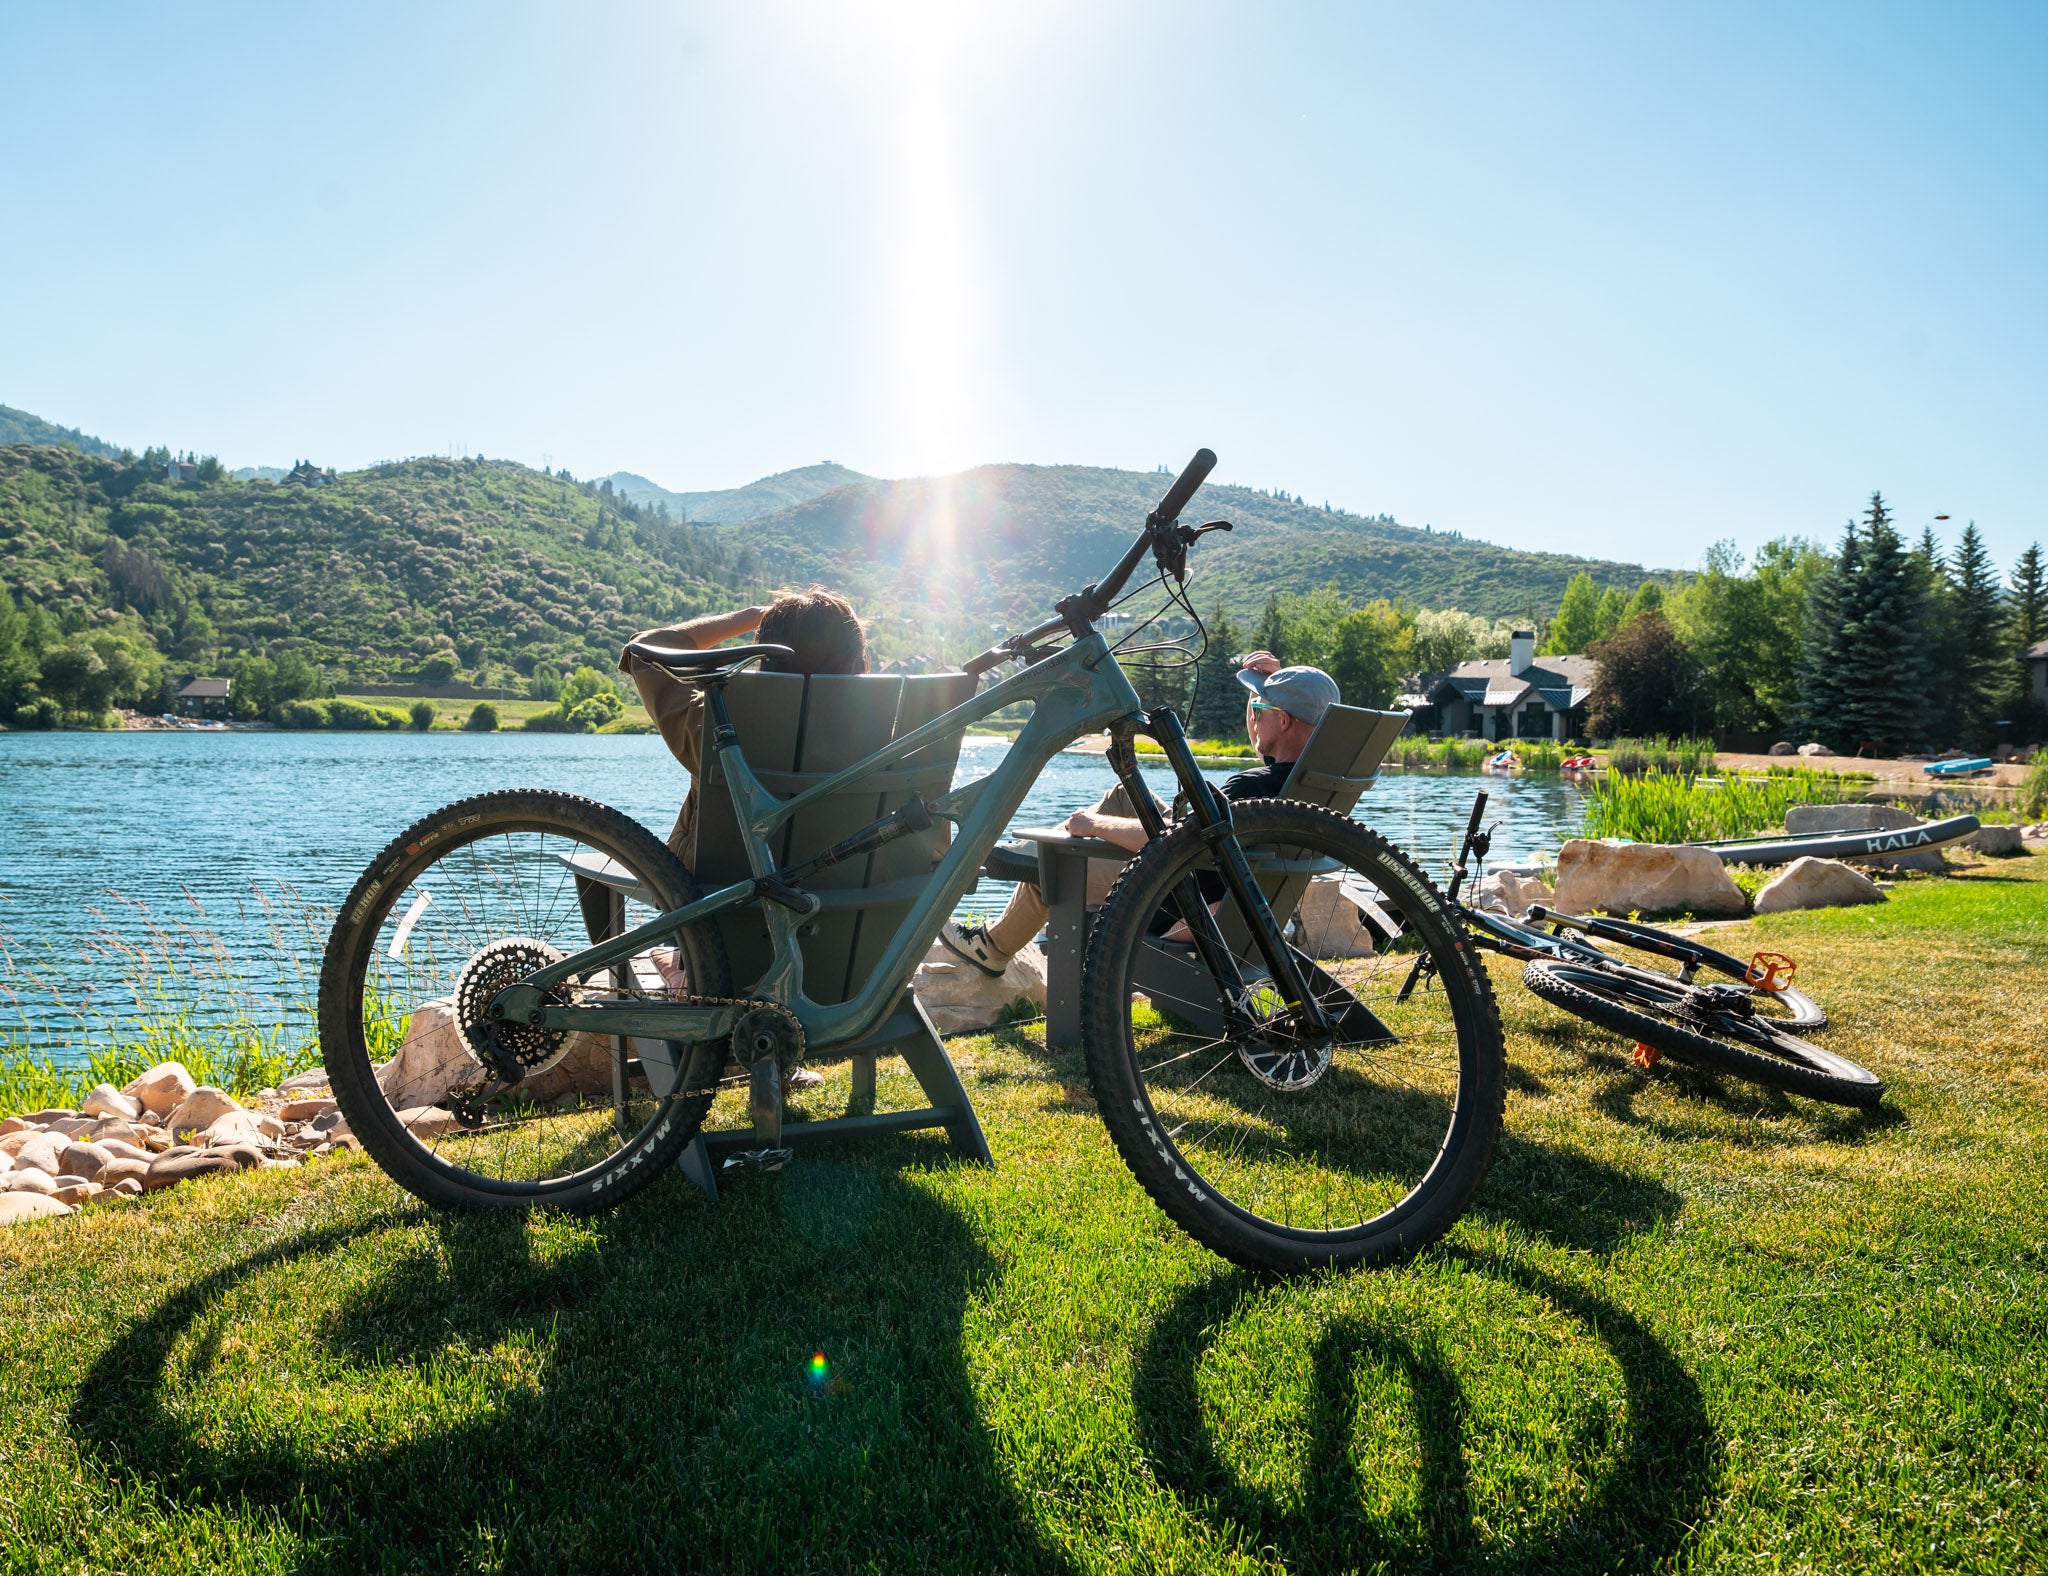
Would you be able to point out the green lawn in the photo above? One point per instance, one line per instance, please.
(1688, 1326)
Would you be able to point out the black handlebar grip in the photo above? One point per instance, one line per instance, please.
(1184, 486)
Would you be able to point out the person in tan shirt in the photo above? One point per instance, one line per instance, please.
(819, 627)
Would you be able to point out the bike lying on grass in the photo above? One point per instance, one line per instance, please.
(1334, 1119)
(1742, 1024)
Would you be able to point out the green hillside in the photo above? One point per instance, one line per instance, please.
(1009, 539)
(487, 565)
(770, 493)
(18, 426)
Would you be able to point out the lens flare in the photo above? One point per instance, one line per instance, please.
(817, 1368)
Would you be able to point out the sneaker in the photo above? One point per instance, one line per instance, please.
(971, 943)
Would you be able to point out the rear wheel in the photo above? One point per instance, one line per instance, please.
(1713, 1026)
(1278, 1147)
(472, 899)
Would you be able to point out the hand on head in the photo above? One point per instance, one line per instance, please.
(1261, 662)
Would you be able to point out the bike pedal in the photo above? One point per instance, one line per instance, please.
(758, 1160)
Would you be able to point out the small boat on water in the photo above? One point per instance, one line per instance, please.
(1782, 849)
(1962, 768)
(1578, 763)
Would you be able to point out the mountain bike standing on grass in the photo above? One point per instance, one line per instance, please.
(1330, 1119)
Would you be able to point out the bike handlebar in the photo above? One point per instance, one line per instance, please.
(1092, 602)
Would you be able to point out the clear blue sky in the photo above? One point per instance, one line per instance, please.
(1609, 279)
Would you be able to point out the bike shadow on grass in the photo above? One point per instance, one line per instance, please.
(1649, 1476)
(1730, 1109)
(635, 1390)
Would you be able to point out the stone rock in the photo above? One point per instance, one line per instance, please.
(162, 1088)
(247, 1157)
(268, 1125)
(1329, 923)
(1997, 840)
(114, 1172)
(1510, 892)
(1783, 747)
(200, 1109)
(41, 1152)
(31, 1181)
(427, 1122)
(84, 1160)
(6, 1164)
(120, 1149)
(314, 1078)
(1816, 883)
(15, 1124)
(106, 1100)
(45, 1118)
(169, 1170)
(1804, 818)
(127, 1187)
(156, 1138)
(433, 1060)
(17, 1207)
(959, 998)
(1813, 749)
(111, 1127)
(305, 1110)
(14, 1142)
(1649, 878)
(234, 1127)
(71, 1126)
(329, 1125)
(75, 1191)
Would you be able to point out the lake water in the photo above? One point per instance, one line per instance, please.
(116, 840)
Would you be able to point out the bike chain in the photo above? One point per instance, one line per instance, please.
(465, 1101)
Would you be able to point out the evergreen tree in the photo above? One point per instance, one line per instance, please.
(1608, 619)
(1822, 648)
(1218, 708)
(2026, 625)
(1977, 666)
(1272, 634)
(1577, 623)
(1648, 595)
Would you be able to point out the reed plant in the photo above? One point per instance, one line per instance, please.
(1668, 807)
(1459, 755)
(144, 989)
(1683, 756)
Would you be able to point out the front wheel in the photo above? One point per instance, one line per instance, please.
(1278, 1146)
(473, 899)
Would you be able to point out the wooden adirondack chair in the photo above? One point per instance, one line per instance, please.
(1342, 761)
(796, 731)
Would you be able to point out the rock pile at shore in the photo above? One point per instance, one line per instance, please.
(162, 1129)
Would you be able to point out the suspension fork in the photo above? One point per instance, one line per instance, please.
(1211, 813)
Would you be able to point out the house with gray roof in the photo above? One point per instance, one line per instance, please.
(1520, 696)
(2036, 659)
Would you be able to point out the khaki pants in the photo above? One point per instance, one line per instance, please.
(1023, 917)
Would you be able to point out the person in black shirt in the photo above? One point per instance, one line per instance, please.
(1280, 716)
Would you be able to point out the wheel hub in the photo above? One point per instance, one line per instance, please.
(1276, 1052)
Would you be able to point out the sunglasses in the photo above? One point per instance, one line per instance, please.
(1259, 705)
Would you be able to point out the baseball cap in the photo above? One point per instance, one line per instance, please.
(1300, 692)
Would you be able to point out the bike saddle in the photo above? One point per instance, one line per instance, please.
(702, 661)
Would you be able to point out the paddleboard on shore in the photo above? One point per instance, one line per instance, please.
(1782, 850)
(1981, 763)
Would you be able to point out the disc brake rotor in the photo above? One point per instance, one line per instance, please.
(1277, 1053)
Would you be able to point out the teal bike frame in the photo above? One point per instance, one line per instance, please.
(1076, 691)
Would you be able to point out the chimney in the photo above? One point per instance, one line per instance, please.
(1521, 651)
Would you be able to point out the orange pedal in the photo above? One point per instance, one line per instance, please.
(1647, 1055)
(1771, 971)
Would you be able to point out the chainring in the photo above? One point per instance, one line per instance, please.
(768, 1030)
(497, 967)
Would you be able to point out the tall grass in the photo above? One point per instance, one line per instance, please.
(1686, 757)
(2032, 799)
(153, 991)
(1413, 750)
(1665, 807)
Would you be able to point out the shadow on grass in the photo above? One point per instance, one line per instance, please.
(630, 1391)
(1764, 1116)
(1569, 1199)
(1653, 1487)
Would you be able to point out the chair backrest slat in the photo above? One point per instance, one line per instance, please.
(807, 729)
(1342, 760)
